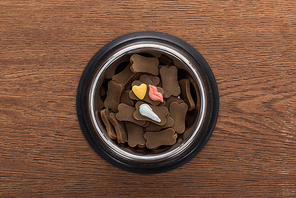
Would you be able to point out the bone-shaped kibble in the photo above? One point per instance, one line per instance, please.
(169, 80)
(160, 111)
(155, 127)
(142, 64)
(197, 97)
(125, 113)
(186, 93)
(135, 135)
(109, 73)
(125, 77)
(126, 99)
(113, 95)
(149, 79)
(99, 93)
(119, 129)
(156, 139)
(109, 128)
(173, 99)
(178, 113)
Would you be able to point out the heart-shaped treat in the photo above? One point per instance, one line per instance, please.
(140, 91)
(146, 110)
(154, 94)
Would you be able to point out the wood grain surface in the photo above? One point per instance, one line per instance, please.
(250, 46)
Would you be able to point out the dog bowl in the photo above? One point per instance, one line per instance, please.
(200, 122)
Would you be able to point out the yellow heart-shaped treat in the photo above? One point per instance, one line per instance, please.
(140, 91)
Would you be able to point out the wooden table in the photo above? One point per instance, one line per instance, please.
(250, 46)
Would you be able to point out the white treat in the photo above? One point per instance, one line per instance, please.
(146, 110)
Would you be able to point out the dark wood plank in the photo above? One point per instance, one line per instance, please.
(250, 46)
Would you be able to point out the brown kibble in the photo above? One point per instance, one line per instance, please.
(113, 95)
(186, 93)
(178, 113)
(177, 64)
(99, 104)
(198, 102)
(141, 150)
(160, 90)
(160, 111)
(155, 80)
(125, 113)
(165, 137)
(188, 132)
(179, 141)
(161, 125)
(146, 124)
(169, 80)
(191, 117)
(125, 77)
(165, 60)
(135, 135)
(155, 127)
(109, 128)
(109, 73)
(119, 128)
(149, 79)
(173, 99)
(142, 64)
(155, 54)
(127, 148)
(126, 99)
(103, 91)
(158, 150)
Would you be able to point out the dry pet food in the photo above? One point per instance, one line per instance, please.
(146, 104)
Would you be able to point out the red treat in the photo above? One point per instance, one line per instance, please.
(154, 94)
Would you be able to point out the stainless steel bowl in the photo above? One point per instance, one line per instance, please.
(185, 58)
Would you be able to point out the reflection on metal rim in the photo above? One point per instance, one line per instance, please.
(150, 157)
